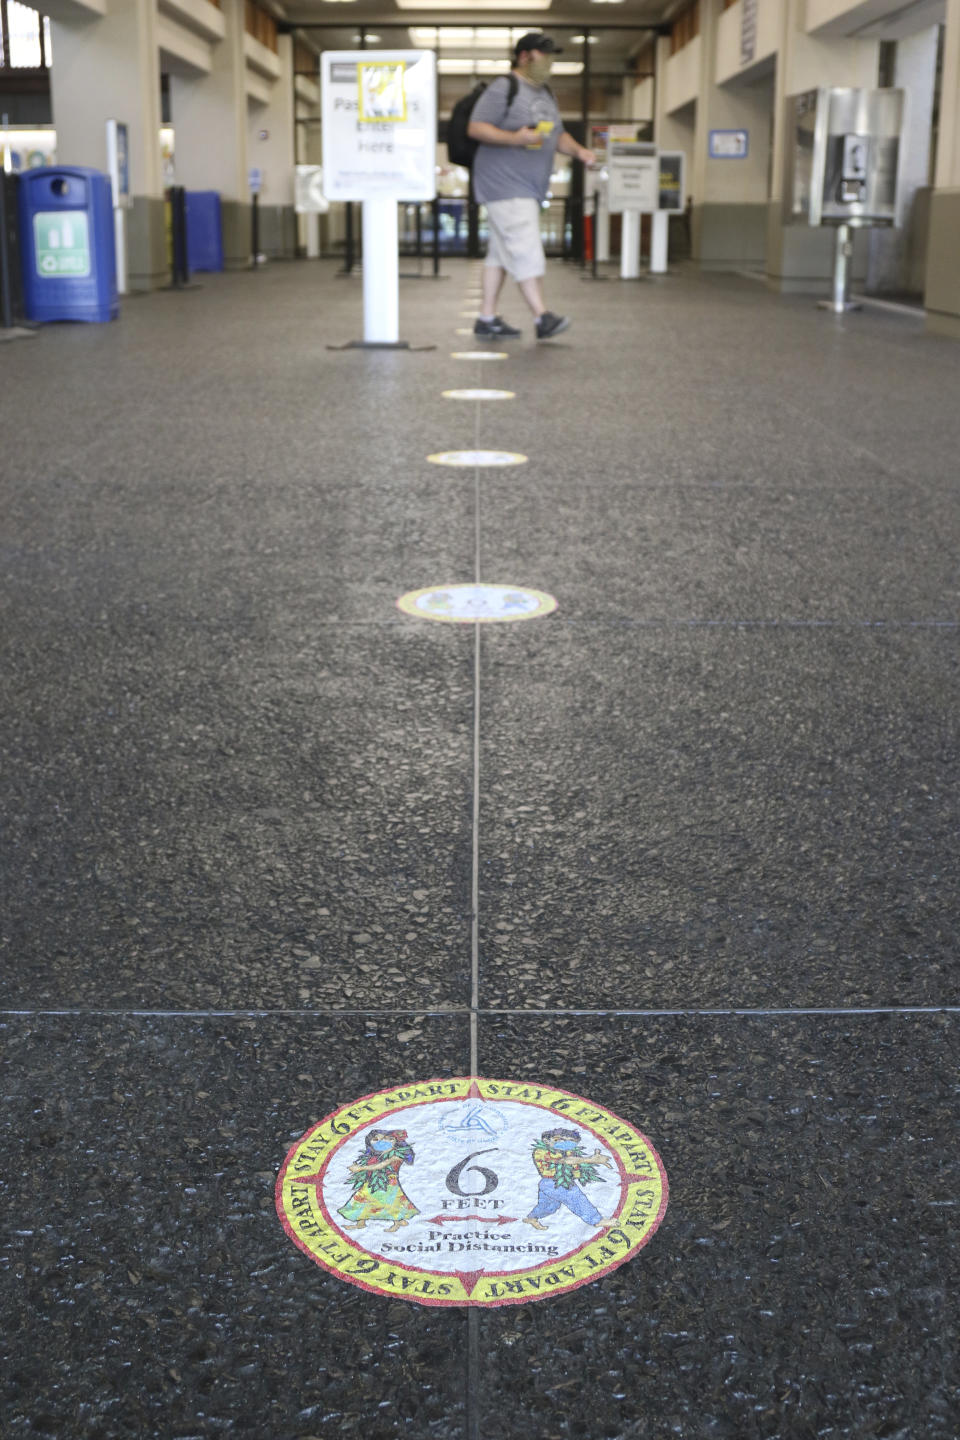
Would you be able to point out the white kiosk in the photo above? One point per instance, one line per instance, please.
(379, 146)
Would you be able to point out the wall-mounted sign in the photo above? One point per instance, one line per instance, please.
(729, 144)
(379, 124)
(748, 31)
(633, 171)
(468, 1191)
(255, 180)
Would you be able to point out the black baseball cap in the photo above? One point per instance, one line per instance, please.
(536, 41)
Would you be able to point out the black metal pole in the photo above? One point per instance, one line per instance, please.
(178, 219)
(419, 233)
(255, 228)
(435, 203)
(5, 269)
(348, 259)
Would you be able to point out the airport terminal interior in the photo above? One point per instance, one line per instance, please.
(480, 816)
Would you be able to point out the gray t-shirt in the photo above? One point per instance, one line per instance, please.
(505, 172)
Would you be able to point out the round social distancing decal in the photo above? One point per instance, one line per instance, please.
(477, 457)
(463, 604)
(479, 355)
(478, 395)
(471, 1192)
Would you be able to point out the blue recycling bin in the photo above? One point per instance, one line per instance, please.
(66, 244)
(204, 230)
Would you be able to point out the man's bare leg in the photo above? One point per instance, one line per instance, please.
(532, 292)
(493, 277)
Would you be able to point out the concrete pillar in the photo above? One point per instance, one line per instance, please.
(209, 116)
(729, 221)
(800, 257)
(270, 148)
(897, 258)
(943, 254)
(104, 69)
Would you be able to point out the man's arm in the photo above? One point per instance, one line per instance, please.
(568, 146)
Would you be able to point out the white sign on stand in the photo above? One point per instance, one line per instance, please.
(379, 145)
(633, 172)
(118, 168)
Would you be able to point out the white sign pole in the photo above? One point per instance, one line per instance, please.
(630, 246)
(659, 236)
(381, 273)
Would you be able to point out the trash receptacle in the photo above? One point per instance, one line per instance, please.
(204, 230)
(67, 245)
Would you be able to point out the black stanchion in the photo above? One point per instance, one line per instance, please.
(12, 312)
(180, 268)
(255, 229)
(566, 239)
(348, 257)
(435, 206)
(473, 229)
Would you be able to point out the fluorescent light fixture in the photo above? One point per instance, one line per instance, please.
(477, 5)
(578, 39)
(501, 67)
(368, 39)
(464, 37)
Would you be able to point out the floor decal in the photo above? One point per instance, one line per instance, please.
(463, 604)
(471, 1192)
(477, 457)
(479, 355)
(478, 395)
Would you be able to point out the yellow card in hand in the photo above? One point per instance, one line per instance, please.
(544, 127)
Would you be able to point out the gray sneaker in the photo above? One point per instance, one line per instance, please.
(495, 329)
(549, 325)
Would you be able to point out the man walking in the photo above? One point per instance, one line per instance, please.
(517, 125)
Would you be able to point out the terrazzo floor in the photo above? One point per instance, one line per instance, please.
(685, 847)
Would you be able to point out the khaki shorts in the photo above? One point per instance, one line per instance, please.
(515, 244)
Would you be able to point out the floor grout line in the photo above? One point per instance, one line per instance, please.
(464, 1012)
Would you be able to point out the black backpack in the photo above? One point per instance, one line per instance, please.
(460, 148)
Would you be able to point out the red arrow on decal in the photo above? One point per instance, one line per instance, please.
(474, 1092)
(469, 1279)
(481, 1219)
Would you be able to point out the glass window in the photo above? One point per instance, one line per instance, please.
(23, 39)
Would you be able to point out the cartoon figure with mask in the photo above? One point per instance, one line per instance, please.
(561, 1164)
(375, 1178)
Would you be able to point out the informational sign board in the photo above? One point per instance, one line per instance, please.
(633, 170)
(379, 124)
(309, 198)
(118, 162)
(729, 144)
(61, 243)
(255, 180)
(672, 177)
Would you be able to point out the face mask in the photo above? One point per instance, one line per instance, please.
(564, 1144)
(538, 70)
(382, 1144)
